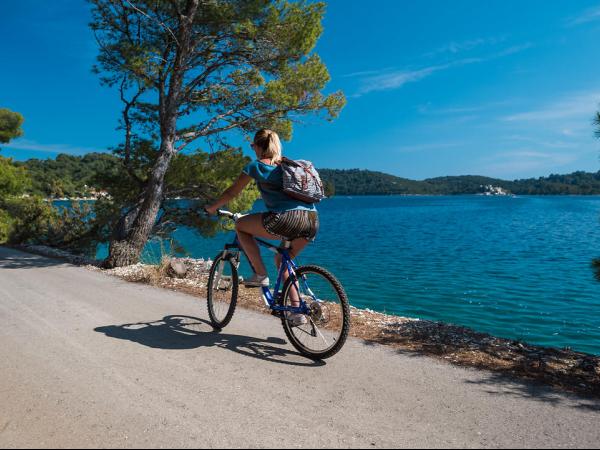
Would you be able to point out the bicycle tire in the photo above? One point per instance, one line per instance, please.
(339, 289)
(217, 323)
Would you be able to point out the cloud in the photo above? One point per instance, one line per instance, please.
(561, 158)
(551, 137)
(428, 147)
(395, 80)
(513, 50)
(429, 110)
(557, 144)
(366, 73)
(589, 15)
(454, 47)
(527, 160)
(25, 144)
(578, 105)
(432, 110)
(386, 80)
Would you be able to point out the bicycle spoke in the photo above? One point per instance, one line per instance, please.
(222, 291)
(327, 322)
(315, 328)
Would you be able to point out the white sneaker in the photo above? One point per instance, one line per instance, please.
(296, 319)
(257, 281)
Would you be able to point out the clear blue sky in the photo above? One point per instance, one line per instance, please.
(499, 88)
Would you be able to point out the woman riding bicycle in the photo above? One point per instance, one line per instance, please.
(287, 218)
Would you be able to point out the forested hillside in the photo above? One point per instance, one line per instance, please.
(78, 176)
(68, 176)
(366, 182)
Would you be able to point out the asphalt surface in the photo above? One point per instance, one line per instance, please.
(87, 360)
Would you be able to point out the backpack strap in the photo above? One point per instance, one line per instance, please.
(289, 162)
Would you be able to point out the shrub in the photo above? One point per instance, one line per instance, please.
(5, 226)
(27, 219)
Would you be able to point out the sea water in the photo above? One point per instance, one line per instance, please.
(519, 268)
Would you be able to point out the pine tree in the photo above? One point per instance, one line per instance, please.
(10, 125)
(196, 69)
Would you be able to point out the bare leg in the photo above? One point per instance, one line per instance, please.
(247, 228)
(250, 226)
(297, 246)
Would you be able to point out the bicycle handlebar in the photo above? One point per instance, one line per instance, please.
(224, 213)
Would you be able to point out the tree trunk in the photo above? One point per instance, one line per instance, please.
(136, 226)
(127, 251)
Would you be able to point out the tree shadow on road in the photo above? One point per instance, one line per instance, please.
(11, 260)
(186, 333)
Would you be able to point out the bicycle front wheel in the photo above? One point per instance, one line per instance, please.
(328, 324)
(222, 290)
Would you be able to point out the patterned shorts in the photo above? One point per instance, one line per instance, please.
(292, 225)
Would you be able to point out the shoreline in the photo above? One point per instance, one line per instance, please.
(511, 196)
(565, 369)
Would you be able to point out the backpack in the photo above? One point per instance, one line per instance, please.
(301, 181)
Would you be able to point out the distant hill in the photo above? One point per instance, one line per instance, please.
(67, 175)
(366, 182)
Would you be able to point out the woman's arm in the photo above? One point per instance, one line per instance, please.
(231, 192)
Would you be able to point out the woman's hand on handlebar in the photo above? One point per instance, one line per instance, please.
(210, 210)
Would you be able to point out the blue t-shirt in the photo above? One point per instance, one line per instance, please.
(270, 183)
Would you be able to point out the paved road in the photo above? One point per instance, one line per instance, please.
(87, 360)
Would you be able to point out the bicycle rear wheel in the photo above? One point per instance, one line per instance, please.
(328, 324)
(222, 290)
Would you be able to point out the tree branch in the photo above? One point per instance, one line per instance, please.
(162, 24)
(129, 104)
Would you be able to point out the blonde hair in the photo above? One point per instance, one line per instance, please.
(269, 144)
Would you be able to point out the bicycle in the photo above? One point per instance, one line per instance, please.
(327, 314)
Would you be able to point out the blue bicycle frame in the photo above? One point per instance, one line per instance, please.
(287, 264)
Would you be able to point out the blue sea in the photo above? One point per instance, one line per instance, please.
(518, 268)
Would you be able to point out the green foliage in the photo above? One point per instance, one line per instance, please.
(5, 226)
(364, 182)
(27, 219)
(198, 177)
(203, 177)
(69, 176)
(74, 228)
(13, 183)
(576, 183)
(329, 188)
(10, 125)
(13, 180)
(467, 184)
(243, 64)
(97, 227)
(33, 220)
(191, 69)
